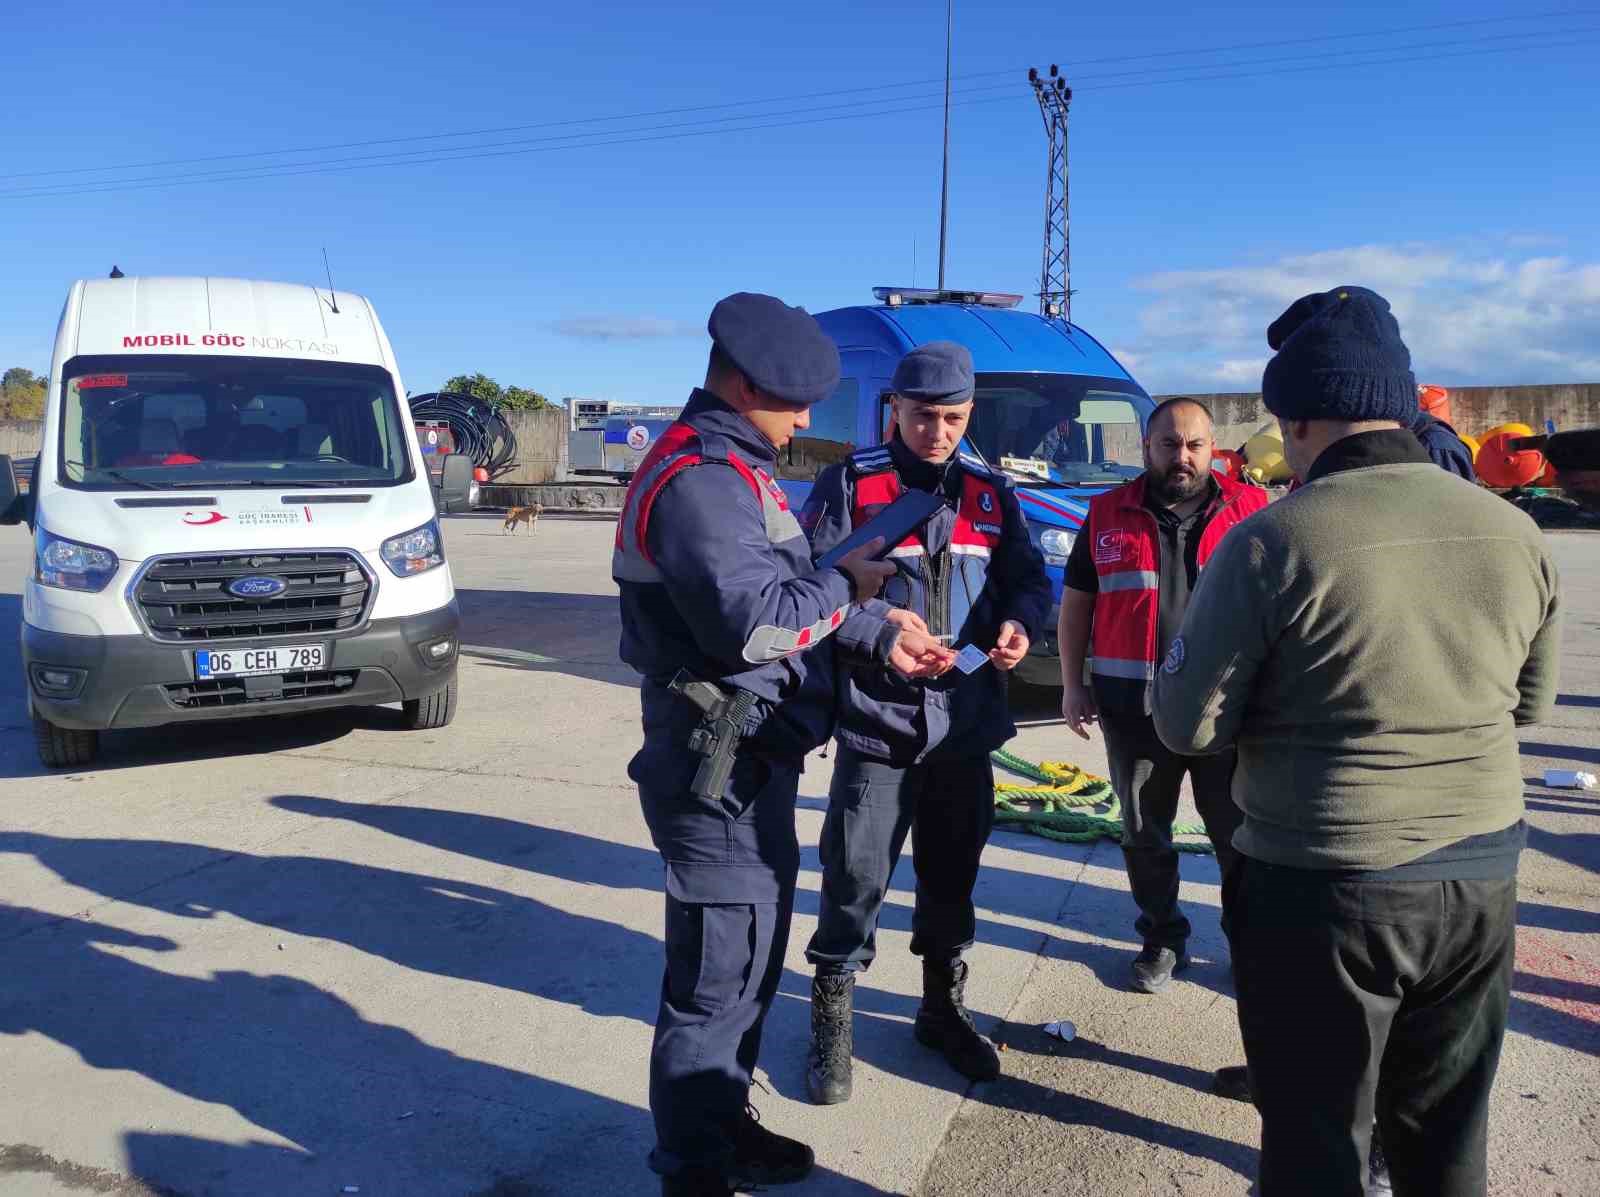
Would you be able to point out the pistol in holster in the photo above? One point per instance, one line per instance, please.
(722, 724)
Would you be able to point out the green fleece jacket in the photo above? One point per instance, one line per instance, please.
(1370, 643)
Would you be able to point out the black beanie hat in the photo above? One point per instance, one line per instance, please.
(1340, 357)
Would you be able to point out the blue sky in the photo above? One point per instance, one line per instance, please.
(1461, 183)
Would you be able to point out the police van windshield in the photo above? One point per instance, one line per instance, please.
(1065, 429)
(177, 422)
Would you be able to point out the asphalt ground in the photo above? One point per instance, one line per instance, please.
(315, 956)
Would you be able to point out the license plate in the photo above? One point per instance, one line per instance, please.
(253, 662)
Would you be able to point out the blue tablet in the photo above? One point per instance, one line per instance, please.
(894, 523)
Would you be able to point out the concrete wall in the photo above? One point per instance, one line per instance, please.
(1473, 410)
(20, 438)
(541, 446)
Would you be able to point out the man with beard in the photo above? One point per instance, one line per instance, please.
(1128, 581)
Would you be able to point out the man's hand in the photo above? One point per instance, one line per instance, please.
(1009, 647)
(867, 575)
(903, 618)
(917, 654)
(1078, 708)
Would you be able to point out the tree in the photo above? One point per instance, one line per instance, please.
(479, 386)
(22, 394)
(522, 399)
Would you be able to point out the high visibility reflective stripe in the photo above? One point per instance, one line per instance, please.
(1133, 579)
(1133, 671)
(770, 642)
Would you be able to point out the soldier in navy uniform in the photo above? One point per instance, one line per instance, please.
(717, 580)
(914, 752)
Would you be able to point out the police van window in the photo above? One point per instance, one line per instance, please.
(830, 438)
(1061, 428)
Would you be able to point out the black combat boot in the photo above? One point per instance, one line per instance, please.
(832, 1039)
(943, 1021)
(696, 1182)
(763, 1157)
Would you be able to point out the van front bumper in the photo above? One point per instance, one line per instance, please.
(93, 683)
(1042, 665)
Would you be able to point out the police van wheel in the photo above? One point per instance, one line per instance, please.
(436, 710)
(64, 747)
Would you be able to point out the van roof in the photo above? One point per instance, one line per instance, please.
(231, 316)
(1001, 341)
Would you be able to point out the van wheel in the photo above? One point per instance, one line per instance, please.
(64, 747)
(436, 710)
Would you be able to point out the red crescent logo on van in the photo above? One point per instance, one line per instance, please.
(210, 517)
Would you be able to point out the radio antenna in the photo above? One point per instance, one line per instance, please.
(333, 299)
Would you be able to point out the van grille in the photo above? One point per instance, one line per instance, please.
(236, 692)
(185, 599)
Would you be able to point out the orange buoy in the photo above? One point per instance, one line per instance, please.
(1506, 430)
(1435, 401)
(1499, 465)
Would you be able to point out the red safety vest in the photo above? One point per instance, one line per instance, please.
(1127, 559)
(977, 528)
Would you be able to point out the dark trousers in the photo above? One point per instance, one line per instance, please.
(947, 807)
(1148, 777)
(1371, 998)
(731, 867)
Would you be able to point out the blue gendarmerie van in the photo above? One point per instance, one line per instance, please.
(1055, 411)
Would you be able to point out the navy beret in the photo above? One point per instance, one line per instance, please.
(1340, 357)
(938, 372)
(780, 349)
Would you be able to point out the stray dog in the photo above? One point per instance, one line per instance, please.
(522, 515)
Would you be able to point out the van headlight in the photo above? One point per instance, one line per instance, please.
(1055, 544)
(69, 565)
(414, 552)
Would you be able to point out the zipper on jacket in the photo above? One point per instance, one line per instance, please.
(938, 609)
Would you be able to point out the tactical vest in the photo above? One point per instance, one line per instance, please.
(974, 537)
(677, 449)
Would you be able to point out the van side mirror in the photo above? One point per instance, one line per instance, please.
(13, 503)
(455, 484)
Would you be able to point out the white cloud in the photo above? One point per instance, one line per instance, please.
(1241, 370)
(625, 328)
(1498, 316)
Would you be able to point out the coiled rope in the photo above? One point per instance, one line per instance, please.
(1058, 804)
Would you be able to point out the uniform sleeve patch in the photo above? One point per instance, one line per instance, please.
(1176, 655)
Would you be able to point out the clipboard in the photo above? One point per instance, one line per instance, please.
(894, 523)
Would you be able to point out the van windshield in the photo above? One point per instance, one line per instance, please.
(186, 421)
(1061, 429)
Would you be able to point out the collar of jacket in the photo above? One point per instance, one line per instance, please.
(706, 413)
(1386, 446)
(931, 476)
(1224, 490)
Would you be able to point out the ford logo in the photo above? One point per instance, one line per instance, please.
(257, 587)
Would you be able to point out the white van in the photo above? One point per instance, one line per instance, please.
(231, 516)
